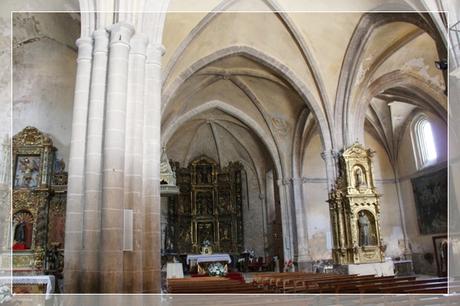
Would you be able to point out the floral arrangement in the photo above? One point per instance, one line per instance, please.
(216, 269)
(5, 294)
(288, 265)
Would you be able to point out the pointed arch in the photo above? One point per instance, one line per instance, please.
(263, 59)
(353, 56)
(416, 90)
(232, 111)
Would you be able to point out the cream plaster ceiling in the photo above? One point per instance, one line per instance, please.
(295, 60)
(306, 54)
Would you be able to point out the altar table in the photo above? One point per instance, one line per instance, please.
(47, 280)
(203, 260)
(209, 258)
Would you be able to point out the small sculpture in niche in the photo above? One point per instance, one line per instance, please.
(360, 178)
(59, 165)
(22, 230)
(20, 233)
(363, 222)
(54, 257)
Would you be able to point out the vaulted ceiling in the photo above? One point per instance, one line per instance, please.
(287, 69)
(293, 74)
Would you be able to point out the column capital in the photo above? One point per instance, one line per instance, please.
(121, 33)
(101, 40)
(139, 44)
(155, 49)
(154, 53)
(329, 154)
(85, 48)
(284, 181)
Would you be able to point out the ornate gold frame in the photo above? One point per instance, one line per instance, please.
(353, 193)
(31, 142)
(191, 185)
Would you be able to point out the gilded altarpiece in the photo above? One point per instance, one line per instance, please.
(208, 207)
(39, 196)
(355, 210)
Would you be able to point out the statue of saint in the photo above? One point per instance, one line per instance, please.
(360, 180)
(363, 222)
(20, 233)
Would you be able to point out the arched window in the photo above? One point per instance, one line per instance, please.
(423, 141)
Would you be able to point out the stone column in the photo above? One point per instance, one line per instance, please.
(93, 171)
(302, 255)
(286, 220)
(263, 203)
(111, 253)
(402, 217)
(151, 169)
(133, 260)
(74, 206)
(454, 173)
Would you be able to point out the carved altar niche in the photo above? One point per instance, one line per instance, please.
(39, 195)
(355, 210)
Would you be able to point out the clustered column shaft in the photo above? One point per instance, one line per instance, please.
(114, 165)
(93, 171)
(133, 261)
(151, 169)
(111, 255)
(74, 209)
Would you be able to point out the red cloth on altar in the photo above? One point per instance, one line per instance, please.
(19, 246)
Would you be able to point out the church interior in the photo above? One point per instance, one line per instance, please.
(255, 141)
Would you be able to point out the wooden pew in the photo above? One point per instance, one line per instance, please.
(377, 282)
(408, 288)
(400, 281)
(293, 285)
(370, 285)
(430, 290)
(271, 280)
(210, 285)
(355, 284)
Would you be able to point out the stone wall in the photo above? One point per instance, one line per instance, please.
(421, 246)
(44, 66)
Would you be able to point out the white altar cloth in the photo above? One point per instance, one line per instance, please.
(33, 279)
(209, 258)
(174, 270)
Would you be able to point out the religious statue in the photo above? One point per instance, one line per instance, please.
(54, 258)
(20, 233)
(360, 180)
(169, 244)
(363, 222)
(225, 234)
